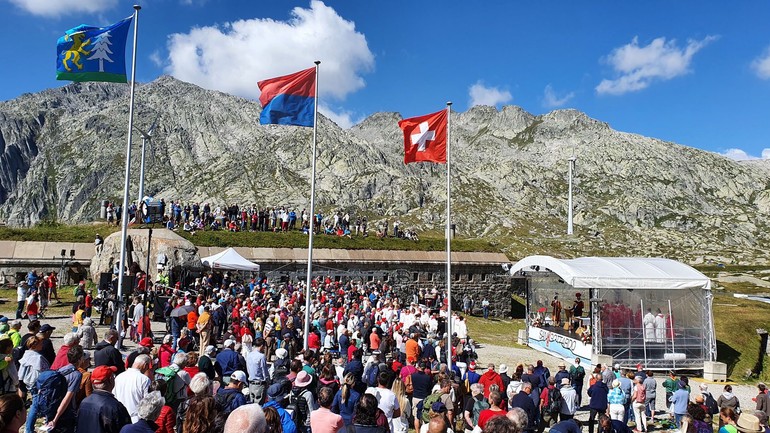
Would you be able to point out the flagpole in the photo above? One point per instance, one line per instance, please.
(448, 241)
(124, 213)
(312, 213)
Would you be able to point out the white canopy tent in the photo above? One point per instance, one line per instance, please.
(231, 260)
(654, 311)
(619, 272)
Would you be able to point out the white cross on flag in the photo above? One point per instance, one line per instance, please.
(425, 138)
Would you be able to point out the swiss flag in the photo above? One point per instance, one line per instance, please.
(425, 138)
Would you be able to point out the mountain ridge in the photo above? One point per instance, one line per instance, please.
(62, 152)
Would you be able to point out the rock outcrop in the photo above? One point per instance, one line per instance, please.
(180, 254)
(62, 152)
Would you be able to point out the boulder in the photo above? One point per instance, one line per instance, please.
(181, 254)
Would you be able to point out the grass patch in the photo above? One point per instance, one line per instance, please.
(495, 331)
(57, 310)
(735, 322)
(87, 233)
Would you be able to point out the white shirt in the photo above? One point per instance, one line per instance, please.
(386, 401)
(131, 387)
(21, 293)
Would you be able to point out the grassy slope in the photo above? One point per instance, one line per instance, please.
(87, 233)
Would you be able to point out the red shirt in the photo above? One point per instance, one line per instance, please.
(166, 420)
(486, 414)
(313, 341)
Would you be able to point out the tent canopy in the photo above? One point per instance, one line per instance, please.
(618, 272)
(229, 259)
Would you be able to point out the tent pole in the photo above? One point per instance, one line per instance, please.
(644, 331)
(670, 328)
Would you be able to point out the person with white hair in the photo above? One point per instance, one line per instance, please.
(200, 385)
(133, 385)
(519, 418)
(148, 411)
(87, 333)
(70, 339)
(246, 419)
(181, 380)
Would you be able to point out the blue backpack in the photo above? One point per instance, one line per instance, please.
(50, 389)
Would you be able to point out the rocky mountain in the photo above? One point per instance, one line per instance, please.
(62, 151)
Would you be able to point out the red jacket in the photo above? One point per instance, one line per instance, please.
(489, 378)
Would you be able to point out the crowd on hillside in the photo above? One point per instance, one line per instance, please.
(192, 217)
(232, 360)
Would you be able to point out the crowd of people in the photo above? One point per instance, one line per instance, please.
(232, 359)
(192, 217)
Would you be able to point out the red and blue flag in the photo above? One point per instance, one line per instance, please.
(288, 100)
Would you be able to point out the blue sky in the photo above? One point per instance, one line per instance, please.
(695, 73)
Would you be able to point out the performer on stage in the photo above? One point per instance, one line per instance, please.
(649, 326)
(660, 328)
(556, 304)
(577, 311)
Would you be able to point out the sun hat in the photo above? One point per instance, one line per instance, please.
(565, 380)
(276, 392)
(303, 379)
(503, 369)
(748, 423)
(281, 353)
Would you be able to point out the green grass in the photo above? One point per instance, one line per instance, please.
(495, 331)
(87, 233)
(56, 310)
(735, 322)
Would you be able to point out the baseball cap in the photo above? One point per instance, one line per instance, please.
(240, 376)
(146, 342)
(47, 327)
(102, 373)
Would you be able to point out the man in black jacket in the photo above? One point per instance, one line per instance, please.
(106, 353)
(523, 401)
(101, 412)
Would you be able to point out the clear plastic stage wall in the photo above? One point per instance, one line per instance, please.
(660, 324)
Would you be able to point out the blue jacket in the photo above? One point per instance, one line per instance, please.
(524, 401)
(229, 361)
(229, 399)
(101, 412)
(598, 393)
(140, 426)
(680, 399)
(286, 422)
(346, 410)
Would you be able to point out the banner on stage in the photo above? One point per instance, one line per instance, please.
(558, 345)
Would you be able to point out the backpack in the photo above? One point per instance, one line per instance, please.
(280, 371)
(478, 406)
(554, 400)
(711, 404)
(168, 374)
(298, 408)
(50, 389)
(427, 402)
(223, 401)
(408, 385)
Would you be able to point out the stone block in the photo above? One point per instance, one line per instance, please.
(29, 250)
(522, 337)
(715, 371)
(6, 249)
(600, 358)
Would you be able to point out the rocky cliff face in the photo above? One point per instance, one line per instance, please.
(62, 151)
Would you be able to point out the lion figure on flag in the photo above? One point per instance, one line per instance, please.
(73, 53)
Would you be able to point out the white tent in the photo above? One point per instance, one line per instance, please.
(229, 259)
(619, 272)
(653, 311)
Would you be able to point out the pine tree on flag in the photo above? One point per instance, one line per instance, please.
(102, 50)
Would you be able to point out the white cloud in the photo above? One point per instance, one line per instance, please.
(761, 65)
(343, 118)
(483, 95)
(638, 66)
(233, 57)
(55, 8)
(156, 58)
(551, 100)
(742, 155)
